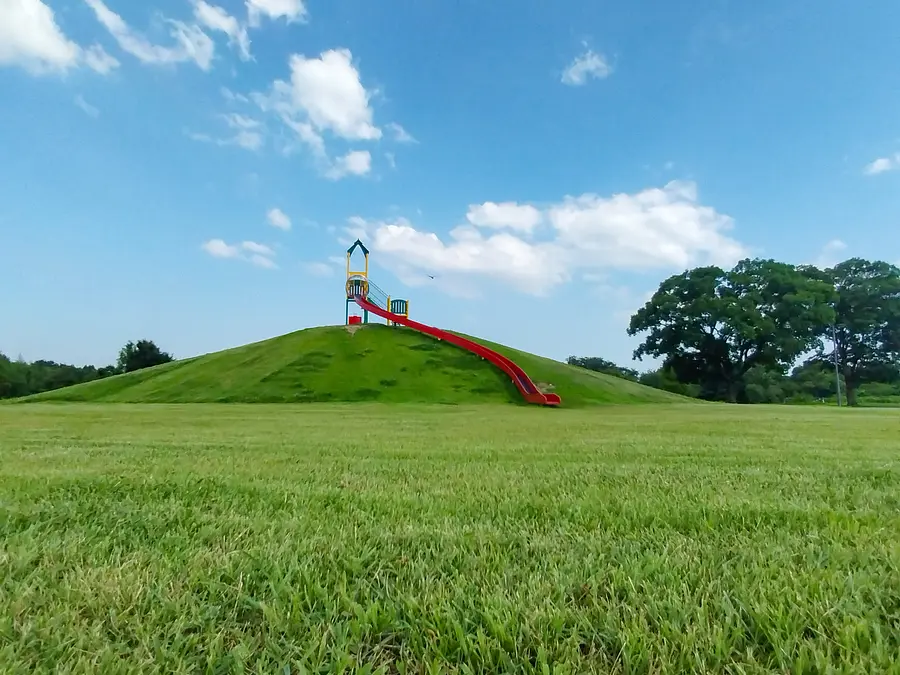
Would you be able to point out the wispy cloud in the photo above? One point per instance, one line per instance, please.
(355, 163)
(247, 133)
(232, 96)
(216, 18)
(249, 251)
(400, 134)
(829, 256)
(588, 65)
(278, 218)
(96, 58)
(190, 42)
(89, 110)
(882, 165)
(290, 10)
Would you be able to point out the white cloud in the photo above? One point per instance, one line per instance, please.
(325, 94)
(882, 165)
(249, 140)
(658, 228)
(89, 110)
(413, 254)
(247, 132)
(828, 256)
(246, 135)
(217, 248)
(278, 218)
(291, 10)
(329, 91)
(309, 136)
(229, 95)
(589, 64)
(237, 121)
(249, 251)
(400, 134)
(191, 43)
(319, 269)
(519, 217)
(205, 138)
(31, 38)
(263, 261)
(355, 163)
(96, 58)
(259, 249)
(391, 159)
(216, 18)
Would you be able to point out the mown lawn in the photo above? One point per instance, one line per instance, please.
(326, 538)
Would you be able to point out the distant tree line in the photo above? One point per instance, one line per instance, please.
(770, 332)
(20, 378)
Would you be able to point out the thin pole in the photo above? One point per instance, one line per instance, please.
(837, 372)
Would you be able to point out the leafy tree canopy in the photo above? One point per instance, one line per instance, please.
(19, 378)
(712, 326)
(141, 354)
(867, 322)
(815, 379)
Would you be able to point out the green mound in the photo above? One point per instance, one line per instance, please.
(373, 363)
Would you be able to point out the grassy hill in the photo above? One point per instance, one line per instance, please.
(374, 363)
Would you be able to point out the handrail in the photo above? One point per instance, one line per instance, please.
(380, 297)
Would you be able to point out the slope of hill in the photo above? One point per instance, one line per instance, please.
(370, 363)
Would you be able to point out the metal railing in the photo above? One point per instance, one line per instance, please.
(377, 296)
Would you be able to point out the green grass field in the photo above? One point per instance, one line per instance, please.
(408, 539)
(329, 364)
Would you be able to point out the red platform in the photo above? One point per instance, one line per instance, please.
(355, 319)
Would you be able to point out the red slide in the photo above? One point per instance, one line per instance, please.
(523, 383)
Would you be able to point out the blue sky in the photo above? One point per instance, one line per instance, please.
(188, 171)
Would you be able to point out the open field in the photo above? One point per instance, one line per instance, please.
(291, 539)
(374, 363)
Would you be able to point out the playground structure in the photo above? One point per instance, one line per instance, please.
(358, 285)
(372, 300)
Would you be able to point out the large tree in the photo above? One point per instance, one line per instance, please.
(711, 326)
(141, 354)
(866, 323)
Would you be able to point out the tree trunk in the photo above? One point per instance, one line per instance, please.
(731, 395)
(851, 388)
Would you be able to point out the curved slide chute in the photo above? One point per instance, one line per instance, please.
(523, 383)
